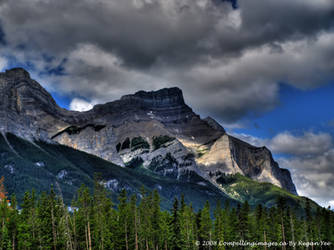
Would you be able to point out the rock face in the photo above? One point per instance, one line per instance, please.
(156, 130)
(27, 109)
(229, 155)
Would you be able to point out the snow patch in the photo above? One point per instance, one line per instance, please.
(150, 114)
(111, 184)
(10, 168)
(40, 164)
(62, 174)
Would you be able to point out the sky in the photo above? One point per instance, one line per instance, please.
(263, 68)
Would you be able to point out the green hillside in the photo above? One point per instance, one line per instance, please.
(40, 165)
(242, 188)
(37, 166)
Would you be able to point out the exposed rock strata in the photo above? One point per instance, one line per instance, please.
(201, 145)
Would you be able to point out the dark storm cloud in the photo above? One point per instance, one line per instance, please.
(277, 21)
(227, 60)
(2, 36)
(138, 33)
(148, 31)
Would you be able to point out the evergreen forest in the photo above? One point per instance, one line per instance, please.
(137, 222)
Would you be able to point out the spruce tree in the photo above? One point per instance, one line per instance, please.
(123, 227)
(205, 229)
(175, 223)
(27, 229)
(156, 219)
(243, 221)
(101, 211)
(134, 223)
(219, 225)
(82, 216)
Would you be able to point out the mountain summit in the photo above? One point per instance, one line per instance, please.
(156, 130)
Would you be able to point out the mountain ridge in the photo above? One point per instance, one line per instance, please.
(138, 123)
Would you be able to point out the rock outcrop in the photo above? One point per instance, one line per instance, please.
(156, 130)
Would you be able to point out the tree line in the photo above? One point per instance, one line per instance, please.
(138, 222)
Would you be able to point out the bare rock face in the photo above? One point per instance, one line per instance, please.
(26, 109)
(230, 155)
(156, 130)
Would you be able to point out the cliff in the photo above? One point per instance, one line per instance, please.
(156, 130)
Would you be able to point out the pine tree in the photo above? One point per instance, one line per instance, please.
(231, 228)
(82, 218)
(273, 228)
(123, 227)
(166, 235)
(187, 226)
(219, 225)
(309, 221)
(65, 227)
(176, 228)
(205, 229)
(243, 221)
(156, 219)
(281, 206)
(133, 218)
(101, 212)
(26, 227)
(145, 221)
(259, 223)
(48, 213)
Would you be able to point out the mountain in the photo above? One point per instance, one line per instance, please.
(146, 134)
(26, 166)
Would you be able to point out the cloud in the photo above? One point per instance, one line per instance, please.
(3, 63)
(331, 203)
(313, 176)
(306, 145)
(253, 140)
(235, 58)
(2, 35)
(309, 157)
(80, 105)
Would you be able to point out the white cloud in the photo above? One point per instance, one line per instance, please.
(331, 203)
(101, 75)
(80, 105)
(253, 140)
(307, 144)
(3, 63)
(232, 126)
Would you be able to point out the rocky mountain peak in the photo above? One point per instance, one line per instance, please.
(214, 124)
(155, 128)
(16, 73)
(167, 97)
